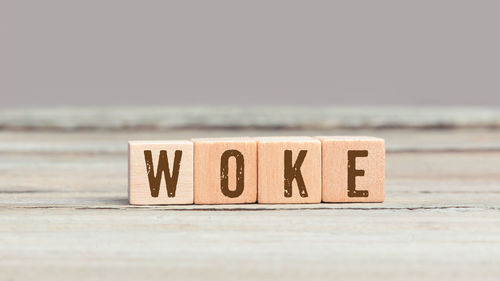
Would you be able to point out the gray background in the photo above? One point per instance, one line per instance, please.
(118, 52)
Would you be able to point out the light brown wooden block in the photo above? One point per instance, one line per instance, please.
(283, 164)
(225, 171)
(353, 169)
(160, 172)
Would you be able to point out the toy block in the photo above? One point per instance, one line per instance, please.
(225, 170)
(289, 170)
(353, 169)
(160, 172)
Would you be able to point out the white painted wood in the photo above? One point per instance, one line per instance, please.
(64, 215)
(98, 142)
(115, 118)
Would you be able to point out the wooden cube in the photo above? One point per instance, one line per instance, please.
(289, 170)
(225, 171)
(160, 172)
(353, 169)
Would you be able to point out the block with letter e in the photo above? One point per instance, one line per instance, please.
(353, 169)
(160, 172)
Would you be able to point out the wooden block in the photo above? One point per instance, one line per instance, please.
(289, 170)
(225, 170)
(160, 172)
(353, 169)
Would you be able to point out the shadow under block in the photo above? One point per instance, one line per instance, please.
(160, 172)
(353, 169)
(225, 170)
(289, 170)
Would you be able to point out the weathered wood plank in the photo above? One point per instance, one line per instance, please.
(64, 215)
(93, 142)
(155, 118)
(414, 180)
(268, 245)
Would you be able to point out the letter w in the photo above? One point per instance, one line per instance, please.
(154, 181)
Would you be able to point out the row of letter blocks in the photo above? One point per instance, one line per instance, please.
(273, 170)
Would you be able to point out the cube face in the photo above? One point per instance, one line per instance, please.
(289, 170)
(225, 171)
(353, 169)
(160, 172)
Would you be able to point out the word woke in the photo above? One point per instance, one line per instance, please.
(278, 170)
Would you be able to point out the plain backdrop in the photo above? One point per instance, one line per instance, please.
(117, 52)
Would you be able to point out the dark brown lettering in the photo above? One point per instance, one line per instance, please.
(352, 173)
(293, 172)
(170, 181)
(240, 173)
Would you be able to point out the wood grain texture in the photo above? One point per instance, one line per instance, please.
(261, 117)
(302, 170)
(366, 171)
(207, 171)
(64, 213)
(142, 173)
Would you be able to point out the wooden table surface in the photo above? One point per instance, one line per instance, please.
(64, 213)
